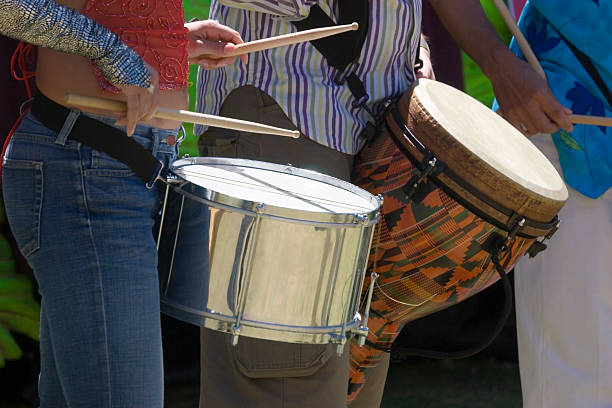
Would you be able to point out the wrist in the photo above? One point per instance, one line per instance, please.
(493, 63)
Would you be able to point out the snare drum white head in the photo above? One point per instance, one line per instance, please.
(276, 185)
(491, 138)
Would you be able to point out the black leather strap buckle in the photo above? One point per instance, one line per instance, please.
(341, 76)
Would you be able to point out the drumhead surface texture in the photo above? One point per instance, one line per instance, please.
(276, 185)
(483, 149)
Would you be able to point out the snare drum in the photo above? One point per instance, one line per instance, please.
(459, 185)
(264, 250)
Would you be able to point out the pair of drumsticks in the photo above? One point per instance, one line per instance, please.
(293, 38)
(219, 121)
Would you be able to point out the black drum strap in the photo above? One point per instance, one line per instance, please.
(591, 70)
(342, 51)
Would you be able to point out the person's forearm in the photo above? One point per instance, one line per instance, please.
(524, 97)
(48, 24)
(466, 21)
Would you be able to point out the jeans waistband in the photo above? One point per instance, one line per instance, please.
(74, 125)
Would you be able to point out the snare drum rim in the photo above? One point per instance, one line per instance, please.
(214, 198)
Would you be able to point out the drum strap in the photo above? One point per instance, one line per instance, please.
(99, 136)
(591, 70)
(342, 51)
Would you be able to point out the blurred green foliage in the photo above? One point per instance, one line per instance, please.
(476, 83)
(19, 312)
(198, 9)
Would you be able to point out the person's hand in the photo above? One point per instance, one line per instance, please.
(426, 70)
(210, 42)
(525, 100)
(141, 103)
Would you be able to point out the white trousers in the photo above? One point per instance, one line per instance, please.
(564, 307)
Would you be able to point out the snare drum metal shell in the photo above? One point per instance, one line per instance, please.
(289, 273)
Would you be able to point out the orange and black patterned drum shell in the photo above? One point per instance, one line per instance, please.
(430, 250)
(429, 253)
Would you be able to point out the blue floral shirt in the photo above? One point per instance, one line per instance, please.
(586, 153)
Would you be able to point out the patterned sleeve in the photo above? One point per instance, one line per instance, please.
(48, 24)
(284, 8)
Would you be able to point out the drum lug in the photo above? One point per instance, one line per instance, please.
(340, 340)
(361, 219)
(362, 333)
(235, 334)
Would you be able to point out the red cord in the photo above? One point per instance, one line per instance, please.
(23, 57)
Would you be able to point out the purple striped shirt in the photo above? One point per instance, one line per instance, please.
(299, 78)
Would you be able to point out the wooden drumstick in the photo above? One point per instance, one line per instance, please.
(519, 37)
(535, 64)
(591, 120)
(287, 39)
(181, 116)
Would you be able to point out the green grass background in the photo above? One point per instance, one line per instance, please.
(198, 9)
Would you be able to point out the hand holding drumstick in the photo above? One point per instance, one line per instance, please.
(111, 105)
(211, 45)
(533, 61)
(208, 59)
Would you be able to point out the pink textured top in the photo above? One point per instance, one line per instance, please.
(154, 29)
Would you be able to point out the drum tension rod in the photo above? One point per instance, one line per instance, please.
(414, 186)
(515, 225)
(363, 329)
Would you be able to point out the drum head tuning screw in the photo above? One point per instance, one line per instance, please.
(235, 335)
(340, 340)
(362, 332)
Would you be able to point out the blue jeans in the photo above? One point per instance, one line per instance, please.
(84, 223)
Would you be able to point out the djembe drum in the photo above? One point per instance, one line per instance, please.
(465, 195)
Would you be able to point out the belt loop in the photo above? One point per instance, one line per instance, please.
(64, 132)
(156, 139)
